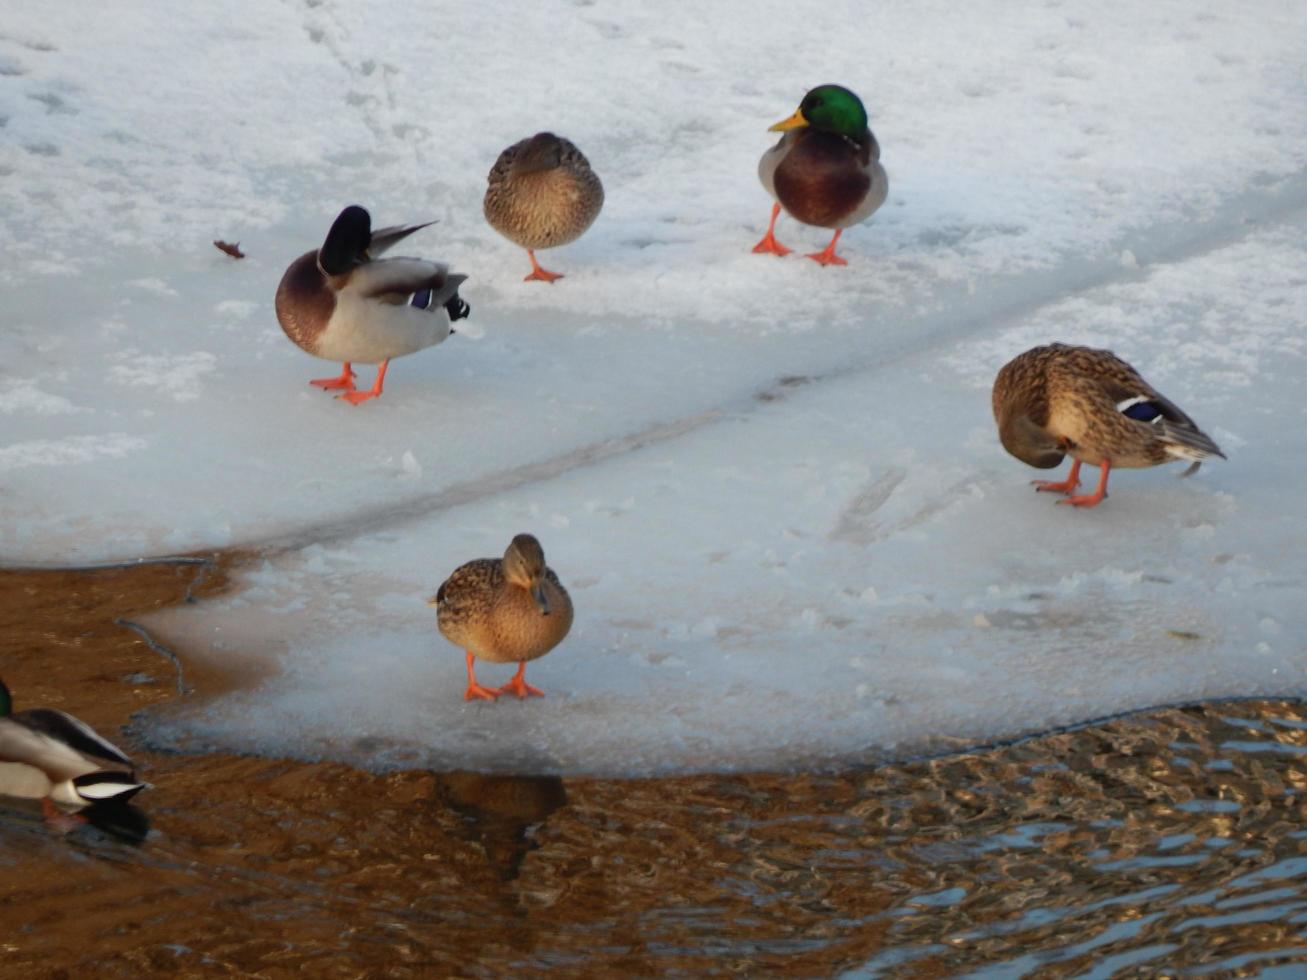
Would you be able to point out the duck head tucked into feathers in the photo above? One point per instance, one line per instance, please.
(346, 245)
(1089, 404)
(542, 193)
(343, 302)
(543, 151)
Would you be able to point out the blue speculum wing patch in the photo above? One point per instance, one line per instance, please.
(1143, 411)
(421, 299)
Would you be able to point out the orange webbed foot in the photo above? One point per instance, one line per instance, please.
(1087, 500)
(475, 691)
(1060, 486)
(770, 246)
(827, 258)
(827, 255)
(1091, 499)
(355, 397)
(1055, 486)
(522, 689)
(537, 273)
(344, 380)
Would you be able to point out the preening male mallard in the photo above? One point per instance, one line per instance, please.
(340, 302)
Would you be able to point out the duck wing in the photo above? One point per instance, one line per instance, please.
(57, 743)
(1143, 403)
(395, 280)
(385, 238)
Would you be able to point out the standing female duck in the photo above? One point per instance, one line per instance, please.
(826, 169)
(507, 610)
(542, 193)
(1060, 400)
(341, 303)
(51, 756)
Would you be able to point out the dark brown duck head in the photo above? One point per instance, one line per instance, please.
(543, 151)
(524, 566)
(346, 245)
(1028, 442)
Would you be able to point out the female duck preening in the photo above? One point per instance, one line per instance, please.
(1059, 400)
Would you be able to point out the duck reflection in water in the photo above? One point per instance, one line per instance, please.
(500, 811)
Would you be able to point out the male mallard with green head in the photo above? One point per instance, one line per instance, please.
(51, 756)
(340, 302)
(504, 610)
(541, 194)
(826, 169)
(1060, 400)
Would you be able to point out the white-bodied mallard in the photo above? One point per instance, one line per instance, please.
(340, 302)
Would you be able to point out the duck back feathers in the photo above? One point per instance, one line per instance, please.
(1092, 405)
(342, 303)
(542, 193)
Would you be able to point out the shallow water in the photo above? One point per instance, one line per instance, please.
(1166, 843)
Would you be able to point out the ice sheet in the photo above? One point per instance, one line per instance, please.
(773, 488)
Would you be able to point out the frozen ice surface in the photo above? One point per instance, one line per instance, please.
(842, 568)
(773, 489)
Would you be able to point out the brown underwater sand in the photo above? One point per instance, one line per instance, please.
(1142, 846)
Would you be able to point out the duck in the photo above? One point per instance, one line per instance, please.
(504, 610)
(1062, 400)
(342, 303)
(541, 193)
(51, 756)
(825, 171)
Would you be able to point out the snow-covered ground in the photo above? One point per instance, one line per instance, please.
(774, 490)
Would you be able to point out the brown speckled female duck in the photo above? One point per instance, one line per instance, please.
(1060, 400)
(505, 610)
(341, 303)
(542, 193)
(826, 169)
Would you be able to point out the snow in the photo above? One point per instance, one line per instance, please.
(774, 490)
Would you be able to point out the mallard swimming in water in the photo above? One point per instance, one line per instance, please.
(341, 303)
(542, 193)
(504, 610)
(1060, 400)
(51, 756)
(826, 169)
